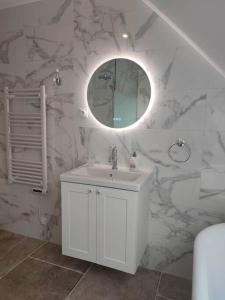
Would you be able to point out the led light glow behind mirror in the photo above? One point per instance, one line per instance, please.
(119, 93)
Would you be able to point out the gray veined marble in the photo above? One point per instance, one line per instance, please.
(213, 149)
(94, 24)
(49, 42)
(164, 80)
(64, 5)
(146, 26)
(11, 77)
(173, 217)
(7, 43)
(178, 110)
(212, 191)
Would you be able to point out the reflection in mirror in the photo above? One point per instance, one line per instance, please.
(119, 93)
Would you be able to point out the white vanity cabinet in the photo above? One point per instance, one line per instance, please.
(104, 225)
(79, 221)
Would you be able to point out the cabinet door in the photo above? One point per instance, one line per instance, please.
(79, 221)
(116, 229)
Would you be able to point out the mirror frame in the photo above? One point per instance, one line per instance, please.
(151, 99)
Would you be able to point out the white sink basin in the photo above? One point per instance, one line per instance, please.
(103, 175)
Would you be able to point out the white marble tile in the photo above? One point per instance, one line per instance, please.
(212, 197)
(11, 19)
(2, 139)
(123, 6)
(182, 267)
(178, 68)
(216, 80)
(12, 47)
(98, 34)
(213, 149)
(192, 69)
(172, 219)
(178, 110)
(215, 110)
(12, 75)
(20, 211)
(56, 11)
(39, 72)
(49, 43)
(61, 141)
(151, 147)
(48, 12)
(89, 139)
(149, 32)
(212, 179)
(2, 113)
(3, 167)
(3, 145)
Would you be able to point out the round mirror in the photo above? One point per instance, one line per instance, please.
(119, 93)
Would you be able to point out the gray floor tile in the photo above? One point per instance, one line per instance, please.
(174, 287)
(49, 275)
(53, 253)
(17, 254)
(107, 284)
(37, 280)
(8, 241)
(162, 298)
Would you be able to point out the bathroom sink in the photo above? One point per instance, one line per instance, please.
(103, 175)
(106, 173)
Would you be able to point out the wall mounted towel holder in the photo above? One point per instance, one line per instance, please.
(26, 137)
(180, 145)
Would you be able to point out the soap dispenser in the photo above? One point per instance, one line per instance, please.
(133, 161)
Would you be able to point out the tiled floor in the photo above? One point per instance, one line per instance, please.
(32, 269)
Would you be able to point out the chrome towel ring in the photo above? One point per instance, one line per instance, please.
(179, 145)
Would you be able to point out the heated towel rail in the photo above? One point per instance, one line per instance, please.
(26, 137)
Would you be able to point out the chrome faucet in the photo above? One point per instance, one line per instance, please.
(114, 158)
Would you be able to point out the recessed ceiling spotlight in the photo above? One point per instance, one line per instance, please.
(125, 35)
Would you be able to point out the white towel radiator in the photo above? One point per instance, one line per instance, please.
(26, 137)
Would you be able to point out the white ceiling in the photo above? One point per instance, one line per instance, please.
(10, 3)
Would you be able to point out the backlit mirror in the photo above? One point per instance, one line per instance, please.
(119, 93)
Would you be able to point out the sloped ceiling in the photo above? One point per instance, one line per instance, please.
(200, 22)
(10, 3)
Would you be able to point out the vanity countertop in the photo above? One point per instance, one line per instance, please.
(103, 175)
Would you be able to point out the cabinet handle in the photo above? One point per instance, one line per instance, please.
(90, 191)
(97, 192)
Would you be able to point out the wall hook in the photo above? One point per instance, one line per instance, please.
(57, 79)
